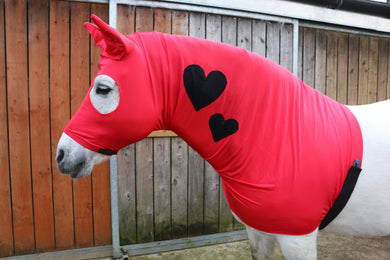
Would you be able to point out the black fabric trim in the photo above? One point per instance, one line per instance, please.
(107, 152)
(345, 194)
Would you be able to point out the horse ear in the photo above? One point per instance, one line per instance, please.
(114, 44)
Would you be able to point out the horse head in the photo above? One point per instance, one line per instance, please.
(118, 110)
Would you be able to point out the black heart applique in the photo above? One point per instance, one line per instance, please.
(203, 90)
(221, 128)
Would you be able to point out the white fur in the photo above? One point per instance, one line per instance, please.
(104, 103)
(366, 214)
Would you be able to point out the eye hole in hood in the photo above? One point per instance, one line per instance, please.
(104, 94)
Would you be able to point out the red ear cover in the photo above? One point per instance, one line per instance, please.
(114, 44)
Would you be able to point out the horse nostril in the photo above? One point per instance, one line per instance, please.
(60, 156)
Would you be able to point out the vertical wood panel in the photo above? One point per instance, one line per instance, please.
(180, 22)
(320, 61)
(127, 195)
(308, 56)
(363, 70)
(162, 20)
(286, 46)
(144, 186)
(60, 114)
(342, 68)
(353, 69)
(40, 124)
(258, 37)
(179, 187)
(18, 111)
(195, 162)
(273, 41)
(244, 33)
(101, 173)
(373, 70)
(331, 65)
(144, 19)
(162, 188)
(6, 237)
(126, 19)
(82, 188)
(383, 50)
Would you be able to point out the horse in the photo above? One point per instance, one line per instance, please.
(284, 151)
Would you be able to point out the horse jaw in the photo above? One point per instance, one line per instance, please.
(74, 159)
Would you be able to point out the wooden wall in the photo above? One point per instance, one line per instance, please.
(46, 64)
(47, 61)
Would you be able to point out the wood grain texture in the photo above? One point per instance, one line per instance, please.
(18, 126)
(6, 236)
(60, 115)
(40, 124)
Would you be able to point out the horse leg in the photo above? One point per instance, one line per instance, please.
(299, 247)
(262, 244)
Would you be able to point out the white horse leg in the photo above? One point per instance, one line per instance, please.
(262, 244)
(299, 247)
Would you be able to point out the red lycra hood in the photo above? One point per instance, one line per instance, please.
(123, 60)
(282, 149)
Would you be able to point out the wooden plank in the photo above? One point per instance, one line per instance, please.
(18, 116)
(309, 56)
(383, 50)
(179, 187)
(363, 70)
(212, 180)
(259, 37)
(320, 60)
(373, 70)
(273, 41)
(244, 33)
(342, 68)
(197, 24)
(331, 65)
(286, 46)
(144, 187)
(197, 28)
(126, 19)
(6, 245)
(229, 30)
(82, 188)
(162, 20)
(162, 188)
(144, 19)
(101, 172)
(127, 196)
(353, 69)
(180, 22)
(60, 114)
(40, 124)
(300, 53)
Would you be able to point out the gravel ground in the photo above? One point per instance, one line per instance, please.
(330, 247)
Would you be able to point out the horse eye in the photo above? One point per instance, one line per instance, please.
(103, 90)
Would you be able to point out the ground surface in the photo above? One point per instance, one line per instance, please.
(330, 247)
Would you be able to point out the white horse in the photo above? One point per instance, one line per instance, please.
(366, 213)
